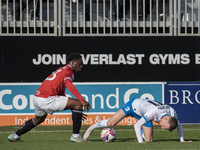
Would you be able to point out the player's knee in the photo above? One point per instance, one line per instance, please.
(78, 105)
(39, 120)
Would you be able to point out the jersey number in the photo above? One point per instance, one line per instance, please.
(54, 75)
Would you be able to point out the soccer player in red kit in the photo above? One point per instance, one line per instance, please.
(50, 97)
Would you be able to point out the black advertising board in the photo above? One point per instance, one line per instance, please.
(106, 59)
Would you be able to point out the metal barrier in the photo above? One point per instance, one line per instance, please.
(99, 17)
(130, 18)
(20, 18)
(189, 17)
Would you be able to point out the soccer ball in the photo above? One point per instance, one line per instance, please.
(108, 135)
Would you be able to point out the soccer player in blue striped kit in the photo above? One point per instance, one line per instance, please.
(145, 111)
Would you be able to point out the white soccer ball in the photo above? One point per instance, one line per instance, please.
(108, 135)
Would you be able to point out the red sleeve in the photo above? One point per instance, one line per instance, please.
(73, 90)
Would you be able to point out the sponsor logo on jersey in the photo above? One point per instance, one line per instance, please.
(150, 117)
(127, 108)
(37, 92)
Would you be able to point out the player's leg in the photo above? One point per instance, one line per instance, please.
(117, 117)
(76, 108)
(148, 133)
(40, 116)
(27, 126)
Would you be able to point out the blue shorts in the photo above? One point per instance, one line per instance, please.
(128, 110)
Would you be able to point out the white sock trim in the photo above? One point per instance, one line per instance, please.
(15, 136)
(101, 124)
(75, 135)
(104, 123)
(77, 111)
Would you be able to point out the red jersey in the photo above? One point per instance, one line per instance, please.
(57, 82)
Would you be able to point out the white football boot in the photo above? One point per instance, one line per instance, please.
(87, 132)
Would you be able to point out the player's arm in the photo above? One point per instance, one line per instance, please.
(180, 133)
(180, 129)
(138, 127)
(70, 86)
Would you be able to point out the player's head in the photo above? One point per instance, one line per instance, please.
(73, 56)
(75, 60)
(173, 123)
(168, 123)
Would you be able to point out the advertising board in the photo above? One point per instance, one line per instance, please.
(184, 97)
(16, 101)
(105, 59)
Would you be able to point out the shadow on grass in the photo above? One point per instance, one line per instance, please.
(117, 140)
(126, 140)
(173, 140)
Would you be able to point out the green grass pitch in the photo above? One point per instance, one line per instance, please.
(57, 138)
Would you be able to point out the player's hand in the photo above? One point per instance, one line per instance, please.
(84, 116)
(86, 105)
(187, 141)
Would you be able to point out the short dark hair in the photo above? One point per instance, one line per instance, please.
(173, 123)
(73, 56)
